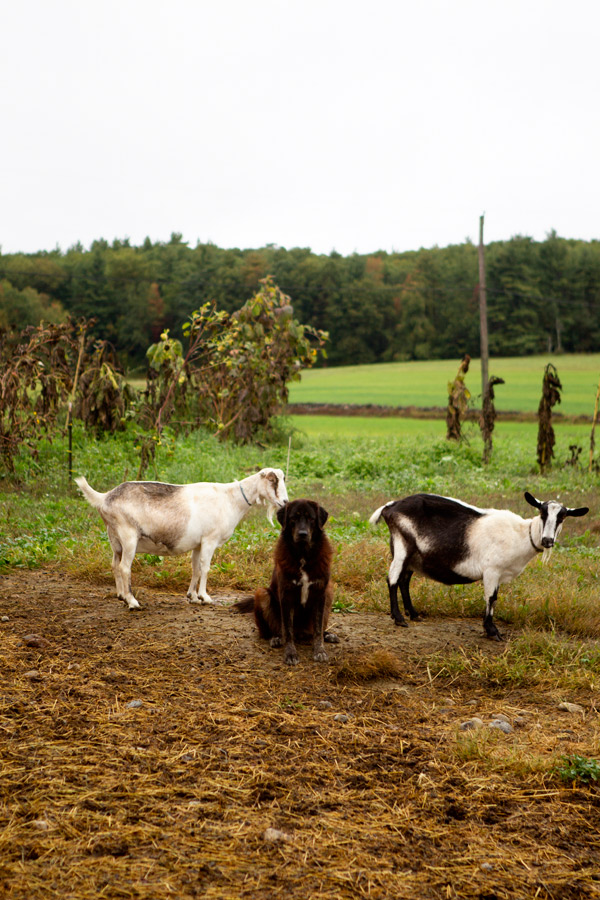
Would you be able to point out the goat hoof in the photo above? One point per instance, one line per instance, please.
(132, 604)
(495, 637)
(401, 622)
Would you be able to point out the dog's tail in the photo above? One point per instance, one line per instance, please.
(94, 497)
(245, 605)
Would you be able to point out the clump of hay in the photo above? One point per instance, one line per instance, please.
(368, 666)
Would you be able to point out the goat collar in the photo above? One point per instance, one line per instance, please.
(243, 495)
(537, 549)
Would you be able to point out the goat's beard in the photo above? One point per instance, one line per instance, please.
(546, 555)
(271, 510)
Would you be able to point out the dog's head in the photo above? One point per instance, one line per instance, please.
(302, 520)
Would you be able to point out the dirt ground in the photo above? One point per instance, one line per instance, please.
(169, 753)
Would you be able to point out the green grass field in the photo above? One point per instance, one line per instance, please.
(400, 427)
(424, 384)
(316, 426)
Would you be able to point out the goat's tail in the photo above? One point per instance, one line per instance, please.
(377, 515)
(245, 605)
(96, 499)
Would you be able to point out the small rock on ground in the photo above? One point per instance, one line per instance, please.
(499, 725)
(571, 707)
(274, 835)
(471, 724)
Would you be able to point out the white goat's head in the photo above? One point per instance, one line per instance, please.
(272, 490)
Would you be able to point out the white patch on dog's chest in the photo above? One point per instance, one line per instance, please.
(304, 584)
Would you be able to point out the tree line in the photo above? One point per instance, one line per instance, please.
(543, 296)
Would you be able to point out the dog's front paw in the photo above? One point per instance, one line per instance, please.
(331, 638)
(320, 656)
(290, 657)
(275, 641)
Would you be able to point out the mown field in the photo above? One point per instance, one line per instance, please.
(169, 753)
(423, 384)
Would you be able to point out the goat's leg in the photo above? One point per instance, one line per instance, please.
(205, 556)
(403, 583)
(116, 564)
(192, 592)
(123, 569)
(490, 588)
(394, 576)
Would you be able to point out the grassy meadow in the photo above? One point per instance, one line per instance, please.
(351, 465)
(423, 384)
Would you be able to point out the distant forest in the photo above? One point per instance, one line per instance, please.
(542, 295)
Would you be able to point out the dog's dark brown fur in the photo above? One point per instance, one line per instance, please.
(297, 603)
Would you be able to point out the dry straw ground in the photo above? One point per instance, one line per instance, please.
(358, 767)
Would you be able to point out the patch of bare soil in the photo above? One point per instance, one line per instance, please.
(169, 753)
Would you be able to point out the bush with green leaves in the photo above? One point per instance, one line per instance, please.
(235, 372)
(246, 361)
(233, 377)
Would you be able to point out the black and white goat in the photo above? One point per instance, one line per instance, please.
(170, 519)
(454, 543)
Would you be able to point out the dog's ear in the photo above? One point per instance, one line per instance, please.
(322, 515)
(282, 515)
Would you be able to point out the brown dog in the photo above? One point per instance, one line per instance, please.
(297, 603)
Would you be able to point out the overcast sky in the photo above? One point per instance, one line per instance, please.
(329, 124)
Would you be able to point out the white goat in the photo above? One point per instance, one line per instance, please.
(170, 519)
(454, 543)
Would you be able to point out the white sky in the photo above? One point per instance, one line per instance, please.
(329, 124)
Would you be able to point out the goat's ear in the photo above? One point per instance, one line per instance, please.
(322, 514)
(282, 515)
(580, 511)
(532, 501)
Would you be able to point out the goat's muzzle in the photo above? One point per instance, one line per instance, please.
(547, 542)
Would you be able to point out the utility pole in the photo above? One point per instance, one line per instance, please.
(483, 325)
